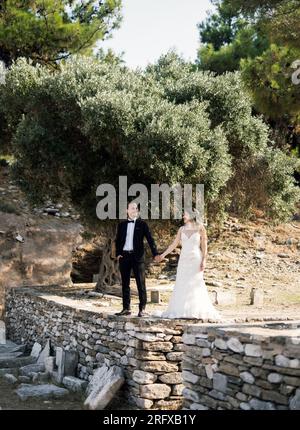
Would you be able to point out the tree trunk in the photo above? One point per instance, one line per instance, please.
(109, 273)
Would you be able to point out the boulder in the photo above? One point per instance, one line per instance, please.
(103, 386)
(28, 391)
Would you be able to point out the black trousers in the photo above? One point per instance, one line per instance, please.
(126, 264)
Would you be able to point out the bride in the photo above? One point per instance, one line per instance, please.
(190, 297)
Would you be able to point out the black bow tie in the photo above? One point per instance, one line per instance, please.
(129, 220)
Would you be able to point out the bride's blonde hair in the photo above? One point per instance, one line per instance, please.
(195, 217)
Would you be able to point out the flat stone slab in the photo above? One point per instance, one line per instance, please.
(32, 368)
(28, 391)
(11, 348)
(2, 333)
(75, 385)
(103, 386)
(16, 362)
(10, 355)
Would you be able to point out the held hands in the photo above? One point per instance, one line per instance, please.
(158, 258)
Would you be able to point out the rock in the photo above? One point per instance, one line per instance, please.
(147, 337)
(214, 283)
(282, 361)
(220, 382)
(295, 401)
(253, 350)
(2, 333)
(220, 344)
(155, 391)
(11, 379)
(40, 377)
(24, 379)
(177, 389)
(158, 366)
(170, 405)
(190, 395)
(49, 364)
(257, 297)
(188, 339)
(103, 386)
(171, 378)
(27, 391)
(198, 407)
(259, 405)
(158, 346)
(245, 406)
(155, 296)
(143, 377)
(209, 371)
(16, 362)
(190, 377)
(235, 345)
(66, 362)
(149, 355)
(44, 354)
(283, 255)
(247, 377)
(174, 356)
(73, 384)
(31, 368)
(143, 403)
(216, 395)
(275, 378)
(36, 350)
(46, 257)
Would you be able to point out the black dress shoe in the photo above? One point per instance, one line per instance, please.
(142, 313)
(124, 312)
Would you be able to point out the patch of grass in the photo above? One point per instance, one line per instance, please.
(9, 208)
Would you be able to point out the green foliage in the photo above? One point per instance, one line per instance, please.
(49, 30)
(221, 27)
(270, 78)
(91, 122)
(280, 18)
(246, 44)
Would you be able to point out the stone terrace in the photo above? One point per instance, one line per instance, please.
(168, 364)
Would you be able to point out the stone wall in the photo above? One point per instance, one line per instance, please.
(253, 367)
(148, 350)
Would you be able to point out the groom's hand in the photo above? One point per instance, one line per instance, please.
(119, 256)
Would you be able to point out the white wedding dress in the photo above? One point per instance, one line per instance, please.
(190, 297)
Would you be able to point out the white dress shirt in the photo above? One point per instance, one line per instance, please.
(129, 236)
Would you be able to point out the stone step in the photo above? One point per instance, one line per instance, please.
(16, 362)
(12, 349)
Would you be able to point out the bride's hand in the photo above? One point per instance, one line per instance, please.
(202, 266)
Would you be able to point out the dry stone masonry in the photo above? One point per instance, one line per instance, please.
(148, 351)
(242, 367)
(164, 364)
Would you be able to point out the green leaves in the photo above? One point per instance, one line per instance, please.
(91, 122)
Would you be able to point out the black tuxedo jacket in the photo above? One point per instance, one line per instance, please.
(141, 230)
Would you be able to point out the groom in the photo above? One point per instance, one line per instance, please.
(130, 254)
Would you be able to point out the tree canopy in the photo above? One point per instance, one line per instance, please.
(91, 122)
(49, 30)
